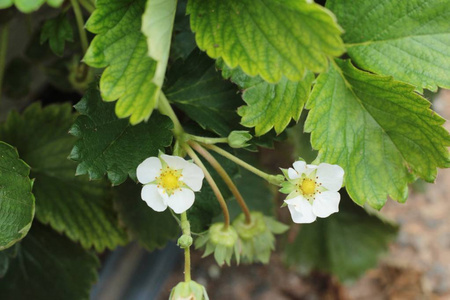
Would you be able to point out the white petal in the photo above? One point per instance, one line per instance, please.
(150, 195)
(148, 170)
(174, 162)
(326, 203)
(301, 210)
(310, 168)
(293, 174)
(180, 201)
(294, 201)
(193, 176)
(330, 176)
(300, 167)
(302, 214)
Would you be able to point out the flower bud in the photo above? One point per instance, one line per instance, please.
(239, 139)
(185, 241)
(257, 238)
(188, 291)
(220, 240)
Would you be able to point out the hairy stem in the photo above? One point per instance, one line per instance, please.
(165, 108)
(3, 49)
(186, 228)
(273, 179)
(80, 24)
(226, 178)
(212, 183)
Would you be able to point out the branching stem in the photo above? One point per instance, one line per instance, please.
(273, 179)
(226, 178)
(207, 140)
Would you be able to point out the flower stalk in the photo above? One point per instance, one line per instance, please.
(165, 108)
(186, 229)
(273, 179)
(226, 178)
(212, 183)
(80, 24)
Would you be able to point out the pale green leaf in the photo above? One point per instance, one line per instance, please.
(345, 244)
(82, 209)
(157, 25)
(28, 6)
(121, 47)
(408, 40)
(16, 199)
(108, 145)
(150, 228)
(269, 105)
(268, 38)
(47, 266)
(378, 130)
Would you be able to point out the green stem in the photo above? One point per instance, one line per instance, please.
(165, 108)
(3, 49)
(226, 178)
(186, 228)
(273, 179)
(207, 140)
(87, 5)
(212, 183)
(80, 25)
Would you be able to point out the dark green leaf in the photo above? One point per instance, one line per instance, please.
(110, 145)
(57, 31)
(83, 210)
(16, 199)
(198, 89)
(152, 229)
(49, 266)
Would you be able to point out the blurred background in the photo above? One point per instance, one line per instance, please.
(415, 266)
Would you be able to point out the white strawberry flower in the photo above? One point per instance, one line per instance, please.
(313, 190)
(169, 181)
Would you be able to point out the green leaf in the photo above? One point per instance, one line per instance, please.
(195, 87)
(152, 229)
(378, 130)
(345, 244)
(27, 6)
(83, 210)
(408, 40)
(49, 266)
(108, 145)
(269, 105)
(57, 31)
(121, 47)
(259, 36)
(157, 25)
(16, 199)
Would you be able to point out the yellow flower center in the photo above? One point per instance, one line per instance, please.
(169, 180)
(308, 186)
